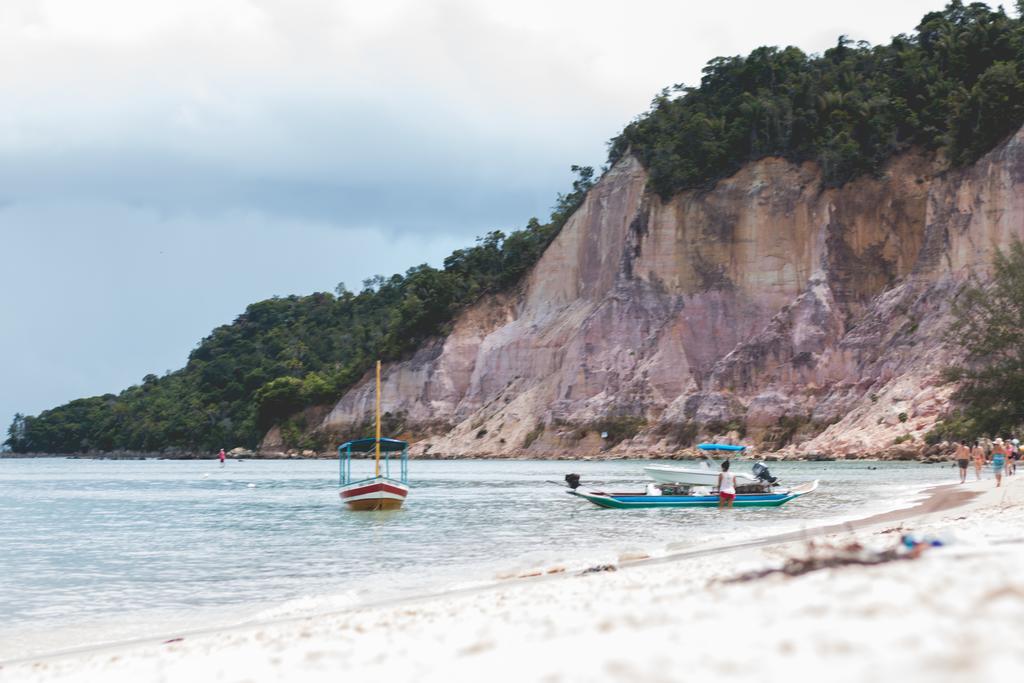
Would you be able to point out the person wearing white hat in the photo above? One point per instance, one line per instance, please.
(998, 461)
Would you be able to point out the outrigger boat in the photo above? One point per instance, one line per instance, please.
(760, 492)
(644, 500)
(380, 492)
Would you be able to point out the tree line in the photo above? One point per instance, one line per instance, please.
(956, 85)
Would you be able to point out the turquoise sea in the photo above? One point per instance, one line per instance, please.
(95, 551)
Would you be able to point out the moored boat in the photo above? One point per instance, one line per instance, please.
(701, 475)
(645, 500)
(381, 491)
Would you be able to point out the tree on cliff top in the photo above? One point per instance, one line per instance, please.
(954, 85)
(989, 325)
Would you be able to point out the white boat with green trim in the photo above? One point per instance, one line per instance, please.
(701, 475)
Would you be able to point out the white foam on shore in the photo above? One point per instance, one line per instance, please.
(898, 498)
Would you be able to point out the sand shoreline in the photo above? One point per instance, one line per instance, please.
(937, 499)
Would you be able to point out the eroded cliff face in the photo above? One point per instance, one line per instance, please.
(768, 303)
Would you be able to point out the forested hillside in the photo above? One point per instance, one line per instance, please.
(955, 86)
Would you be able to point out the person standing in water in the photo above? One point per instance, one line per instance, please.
(221, 457)
(979, 459)
(963, 454)
(726, 487)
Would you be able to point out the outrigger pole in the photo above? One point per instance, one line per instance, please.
(377, 467)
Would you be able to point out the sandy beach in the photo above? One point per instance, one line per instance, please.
(952, 614)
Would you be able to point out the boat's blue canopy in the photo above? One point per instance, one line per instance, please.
(369, 444)
(720, 447)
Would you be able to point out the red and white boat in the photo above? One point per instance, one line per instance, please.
(381, 491)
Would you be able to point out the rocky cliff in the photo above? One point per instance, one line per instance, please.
(798, 315)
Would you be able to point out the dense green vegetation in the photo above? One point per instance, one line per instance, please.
(956, 85)
(990, 382)
(285, 354)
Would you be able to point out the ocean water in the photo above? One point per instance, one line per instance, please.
(97, 551)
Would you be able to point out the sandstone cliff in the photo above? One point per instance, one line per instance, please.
(769, 304)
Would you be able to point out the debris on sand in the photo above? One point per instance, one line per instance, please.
(597, 568)
(830, 556)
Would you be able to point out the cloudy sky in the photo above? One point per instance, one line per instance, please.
(164, 163)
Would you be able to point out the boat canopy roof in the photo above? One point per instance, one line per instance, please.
(368, 444)
(720, 447)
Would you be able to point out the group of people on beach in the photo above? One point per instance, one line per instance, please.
(1001, 455)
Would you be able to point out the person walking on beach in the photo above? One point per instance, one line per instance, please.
(1011, 466)
(221, 456)
(963, 455)
(998, 461)
(979, 459)
(726, 487)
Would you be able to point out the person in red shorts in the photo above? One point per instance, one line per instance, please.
(726, 487)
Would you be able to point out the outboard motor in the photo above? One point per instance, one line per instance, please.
(762, 474)
(573, 480)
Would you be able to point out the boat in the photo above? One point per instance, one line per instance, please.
(622, 501)
(381, 491)
(699, 475)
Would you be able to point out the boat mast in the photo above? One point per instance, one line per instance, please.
(377, 467)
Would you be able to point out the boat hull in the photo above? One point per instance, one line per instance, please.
(621, 501)
(379, 493)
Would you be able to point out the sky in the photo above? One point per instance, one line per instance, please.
(164, 164)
